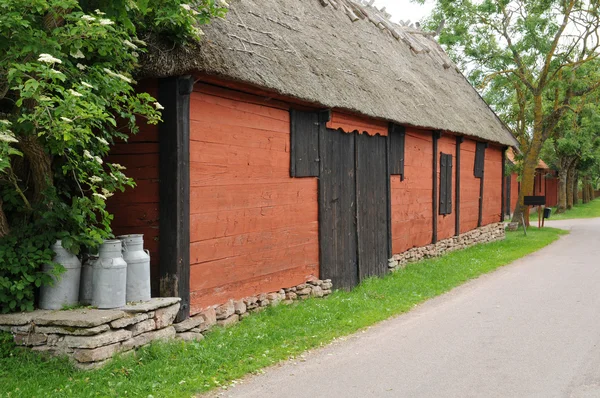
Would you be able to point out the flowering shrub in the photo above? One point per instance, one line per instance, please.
(66, 94)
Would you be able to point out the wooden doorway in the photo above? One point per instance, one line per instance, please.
(353, 207)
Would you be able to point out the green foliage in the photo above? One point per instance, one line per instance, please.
(67, 94)
(179, 369)
(7, 345)
(588, 210)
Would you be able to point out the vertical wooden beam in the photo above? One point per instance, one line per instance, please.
(436, 136)
(389, 190)
(459, 140)
(480, 217)
(174, 204)
(502, 210)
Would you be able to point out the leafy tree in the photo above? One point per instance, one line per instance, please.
(532, 59)
(67, 93)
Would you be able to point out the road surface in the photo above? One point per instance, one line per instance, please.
(530, 329)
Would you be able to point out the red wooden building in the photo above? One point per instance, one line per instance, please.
(305, 139)
(545, 183)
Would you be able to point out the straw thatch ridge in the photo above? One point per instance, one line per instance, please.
(338, 54)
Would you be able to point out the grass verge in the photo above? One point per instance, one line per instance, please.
(588, 210)
(178, 369)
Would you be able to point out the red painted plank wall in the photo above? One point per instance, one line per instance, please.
(492, 186)
(551, 192)
(350, 123)
(136, 210)
(253, 228)
(514, 192)
(469, 187)
(411, 199)
(446, 223)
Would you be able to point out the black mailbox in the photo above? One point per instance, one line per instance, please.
(534, 201)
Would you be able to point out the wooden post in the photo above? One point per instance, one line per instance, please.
(436, 136)
(174, 204)
(459, 140)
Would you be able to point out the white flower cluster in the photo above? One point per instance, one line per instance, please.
(75, 93)
(84, 84)
(77, 54)
(102, 140)
(105, 22)
(158, 106)
(118, 166)
(49, 59)
(130, 44)
(88, 18)
(120, 76)
(95, 179)
(66, 119)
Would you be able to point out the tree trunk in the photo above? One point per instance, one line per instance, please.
(4, 227)
(530, 162)
(584, 191)
(570, 185)
(576, 188)
(40, 165)
(565, 164)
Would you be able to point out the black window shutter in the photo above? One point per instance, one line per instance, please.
(445, 183)
(304, 148)
(449, 184)
(479, 159)
(397, 143)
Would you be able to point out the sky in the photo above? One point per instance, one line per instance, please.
(405, 9)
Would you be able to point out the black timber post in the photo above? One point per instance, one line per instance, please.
(459, 140)
(174, 204)
(481, 184)
(502, 209)
(436, 136)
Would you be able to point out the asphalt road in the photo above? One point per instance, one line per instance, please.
(530, 329)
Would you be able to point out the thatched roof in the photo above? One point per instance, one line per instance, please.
(338, 54)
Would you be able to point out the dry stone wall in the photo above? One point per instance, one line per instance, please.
(90, 337)
(488, 233)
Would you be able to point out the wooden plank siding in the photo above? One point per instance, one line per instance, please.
(469, 187)
(492, 185)
(446, 222)
(551, 192)
(411, 199)
(514, 192)
(253, 228)
(350, 123)
(136, 211)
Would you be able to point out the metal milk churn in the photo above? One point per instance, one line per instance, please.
(109, 276)
(85, 286)
(65, 290)
(138, 267)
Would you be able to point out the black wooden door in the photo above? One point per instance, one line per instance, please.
(372, 205)
(337, 209)
(353, 207)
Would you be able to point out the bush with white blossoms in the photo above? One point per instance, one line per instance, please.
(66, 96)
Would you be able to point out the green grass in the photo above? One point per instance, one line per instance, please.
(588, 210)
(178, 369)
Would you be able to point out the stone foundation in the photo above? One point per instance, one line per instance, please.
(90, 337)
(488, 233)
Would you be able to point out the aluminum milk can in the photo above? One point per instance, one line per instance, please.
(85, 286)
(138, 267)
(65, 290)
(109, 276)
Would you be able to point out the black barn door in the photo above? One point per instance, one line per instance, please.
(337, 209)
(372, 205)
(353, 206)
